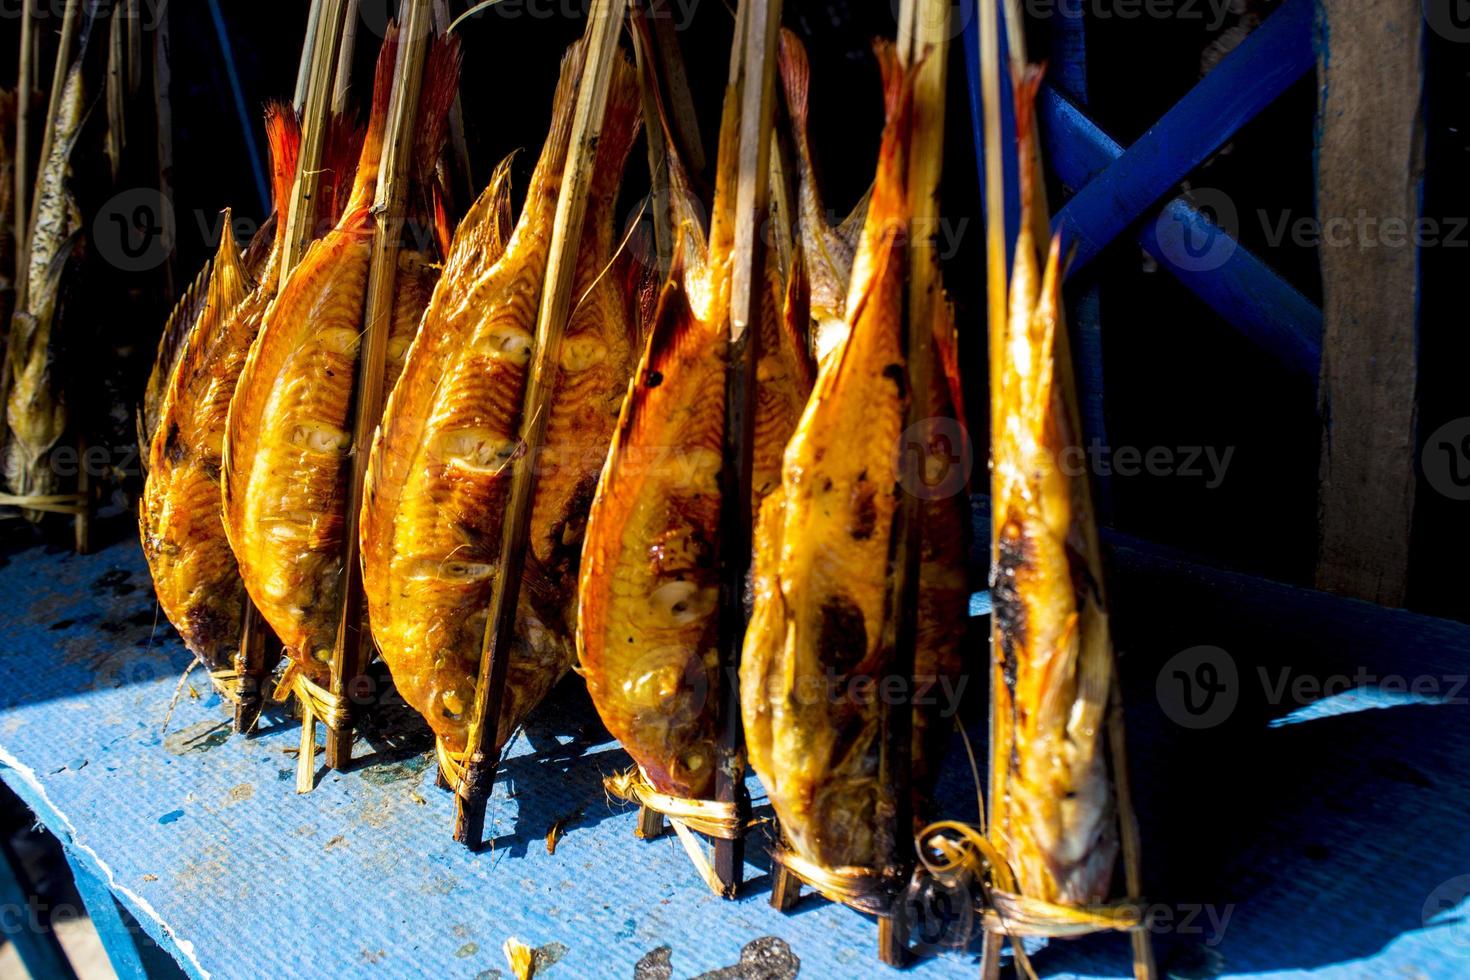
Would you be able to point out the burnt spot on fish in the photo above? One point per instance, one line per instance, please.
(895, 373)
(842, 638)
(653, 379)
(1014, 555)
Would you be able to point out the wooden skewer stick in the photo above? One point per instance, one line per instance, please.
(350, 655)
(342, 84)
(308, 49)
(324, 37)
(753, 76)
(471, 796)
(25, 86)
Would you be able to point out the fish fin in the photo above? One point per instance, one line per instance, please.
(283, 133)
(1026, 83)
(563, 107)
(641, 285)
(170, 346)
(796, 318)
(339, 170)
(795, 70)
(852, 225)
(481, 236)
(443, 232)
(441, 85)
(674, 327)
(1044, 323)
(620, 124)
(946, 347)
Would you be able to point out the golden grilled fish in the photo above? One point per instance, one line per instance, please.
(286, 457)
(823, 591)
(827, 249)
(440, 469)
(203, 351)
(648, 597)
(1055, 817)
(36, 402)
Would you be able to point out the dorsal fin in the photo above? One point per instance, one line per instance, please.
(170, 346)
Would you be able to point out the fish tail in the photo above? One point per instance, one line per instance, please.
(283, 133)
(482, 233)
(365, 182)
(796, 315)
(563, 106)
(441, 85)
(796, 73)
(1027, 82)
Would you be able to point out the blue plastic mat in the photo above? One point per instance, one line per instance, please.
(202, 838)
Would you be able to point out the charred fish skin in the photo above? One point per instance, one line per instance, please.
(286, 460)
(820, 574)
(36, 404)
(439, 471)
(195, 575)
(1053, 661)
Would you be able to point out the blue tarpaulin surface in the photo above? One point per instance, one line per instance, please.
(1350, 867)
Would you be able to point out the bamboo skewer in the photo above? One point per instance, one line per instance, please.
(350, 655)
(308, 49)
(342, 85)
(324, 35)
(753, 76)
(24, 88)
(473, 790)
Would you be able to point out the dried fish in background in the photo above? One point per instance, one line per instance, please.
(36, 409)
(8, 105)
(822, 591)
(285, 462)
(202, 354)
(439, 473)
(649, 591)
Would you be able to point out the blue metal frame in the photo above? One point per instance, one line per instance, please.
(1117, 186)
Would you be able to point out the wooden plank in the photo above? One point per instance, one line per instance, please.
(1251, 77)
(1247, 293)
(107, 918)
(1369, 165)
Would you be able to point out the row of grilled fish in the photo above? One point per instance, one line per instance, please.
(622, 577)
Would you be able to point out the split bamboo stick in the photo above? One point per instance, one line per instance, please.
(604, 24)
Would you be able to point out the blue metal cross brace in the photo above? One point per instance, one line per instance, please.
(1116, 186)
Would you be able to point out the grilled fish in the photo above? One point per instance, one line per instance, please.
(36, 404)
(827, 249)
(1054, 810)
(440, 470)
(650, 585)
(203, 351)
(822, 592)
(286, 455)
